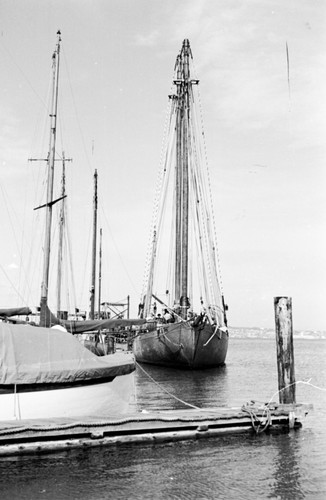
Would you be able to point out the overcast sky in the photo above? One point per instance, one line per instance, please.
(264, 119)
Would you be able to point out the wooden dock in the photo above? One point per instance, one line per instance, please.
(21, 437)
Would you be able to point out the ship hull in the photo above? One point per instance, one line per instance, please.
(104, 399)
(181, 345)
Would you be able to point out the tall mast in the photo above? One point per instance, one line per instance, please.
(184, 300)
(178, 180)
(62, 223)
(61, 228)
(183, 84)
(50, 167)
(92, 290)
(100, 276)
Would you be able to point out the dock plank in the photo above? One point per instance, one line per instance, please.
(31, 436)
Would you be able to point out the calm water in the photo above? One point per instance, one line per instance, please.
(285, 466)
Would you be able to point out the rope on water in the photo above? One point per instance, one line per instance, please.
(165, 390)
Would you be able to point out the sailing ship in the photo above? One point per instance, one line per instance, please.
(191, 332)
(46, 372)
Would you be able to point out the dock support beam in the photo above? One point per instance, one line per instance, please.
(284, 346)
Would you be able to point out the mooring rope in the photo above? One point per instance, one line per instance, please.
(165, 390)
(261, 423)
(297, 383)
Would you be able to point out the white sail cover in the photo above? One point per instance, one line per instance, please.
(33, 355)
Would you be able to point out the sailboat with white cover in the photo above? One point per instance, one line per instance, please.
(182, 298)
(46, 373)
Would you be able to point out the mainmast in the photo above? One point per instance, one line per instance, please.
(92, 290)
(178, 181)
(184, 90)
(50, 167)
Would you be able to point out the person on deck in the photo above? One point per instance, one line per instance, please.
(169, 318)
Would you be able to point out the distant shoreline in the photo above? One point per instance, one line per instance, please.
(269, 333)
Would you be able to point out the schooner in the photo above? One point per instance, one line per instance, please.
(183, 281)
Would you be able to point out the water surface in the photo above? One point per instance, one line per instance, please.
(283, 466)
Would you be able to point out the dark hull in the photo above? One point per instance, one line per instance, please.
(180, 345)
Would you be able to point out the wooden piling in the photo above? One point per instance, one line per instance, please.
(284, 346)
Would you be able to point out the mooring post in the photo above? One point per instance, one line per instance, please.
(284, 346)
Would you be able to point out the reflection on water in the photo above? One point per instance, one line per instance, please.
(160, 388)
(286, 470)
(289, 466)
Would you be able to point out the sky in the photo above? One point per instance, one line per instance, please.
(262, 71)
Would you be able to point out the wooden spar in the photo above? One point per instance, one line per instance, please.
(61, 227)
(183, 84)
(178, 180)
(100, 276)
(284, 345)
(61, 230)
(184, 301)
(93, 278)
(50, 166)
